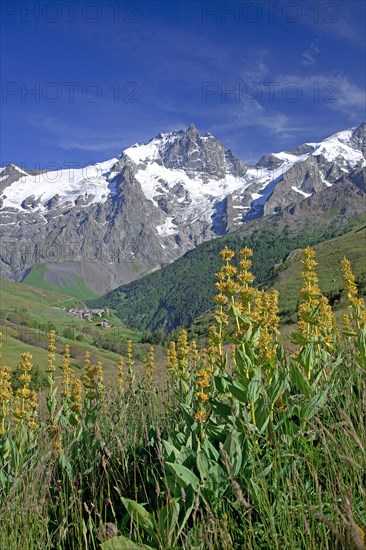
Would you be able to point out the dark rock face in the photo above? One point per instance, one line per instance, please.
(269, 161)
(358, 139)
(302, 149)
(144, 219)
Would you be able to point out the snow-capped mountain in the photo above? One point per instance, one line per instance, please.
(113, 221)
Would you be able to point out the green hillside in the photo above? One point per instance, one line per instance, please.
(28, 313)
(288, 279)
(180, 292)
(74, 285)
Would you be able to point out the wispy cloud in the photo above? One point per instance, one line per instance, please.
(256, 69)
(76, 137)
(335, 91)
(309, 55)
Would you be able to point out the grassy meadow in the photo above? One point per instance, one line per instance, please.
(232, 443)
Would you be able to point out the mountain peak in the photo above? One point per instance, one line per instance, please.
(192, 129)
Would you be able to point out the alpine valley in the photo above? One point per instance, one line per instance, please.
(111, 223)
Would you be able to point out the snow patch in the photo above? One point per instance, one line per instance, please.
(306, 195)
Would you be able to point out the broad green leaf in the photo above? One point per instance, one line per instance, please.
(122, 543)
(298, 338)
(276, 387)
(172, 452)
(210, 450)
(254, 386)
(239, 391)
(184, 476)
(221, 409)
(313, 405)
(232, 448)
(262, 413)
(203, 466)
(299, 380)
(168, 519)
(140, 516)
(242, 360)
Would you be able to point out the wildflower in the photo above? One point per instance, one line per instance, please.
(66, 374)
(315, 314)
(245, 278)
(120, 375)
(56, 439)
(349, 281)
(6, 395)
(51, 351)
(265, 315)
(358, 304)
(51, 397)
(202, 384)
(172, 360)
(25, 404)
(100, 383)
(201, 416)
(315, 317)
(227, 254)
(149, 365)
(130, 364)
(183, 354)
(90, 378)
(76, 396)
(202, 396)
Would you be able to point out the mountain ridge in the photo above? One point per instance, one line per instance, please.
(114, 221)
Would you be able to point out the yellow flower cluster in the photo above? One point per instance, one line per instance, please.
(183, 355)
(202, 384)
(66, 374)
(6, 395)
(25, 405)
(100, 383)
(130, 363)
(316, 318)
(90, 380)
(265, 314)
(171, 358)
(76, 396)
(121, 381)
(149, 366)
(56, 438)
(51, 352)
(6, 392)
(358, 304)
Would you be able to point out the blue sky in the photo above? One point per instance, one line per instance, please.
(261, 76)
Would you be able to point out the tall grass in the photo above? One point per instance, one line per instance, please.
(245, 447)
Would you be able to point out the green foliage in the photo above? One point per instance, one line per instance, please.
(239, 450)
(179, 293)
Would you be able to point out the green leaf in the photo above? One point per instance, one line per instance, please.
(122, 543)
(242, 360)
(232, 447)
(172, 452)
(298, 379)
(220, 384)
(298, 338)
(203, 466)
(276, 387)
(221, 409)
(262, 414)
(168, 519)
(140, 516)
(254, 386)
(313, 405)
(184, 476)
(210, 450)
(239, 391)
